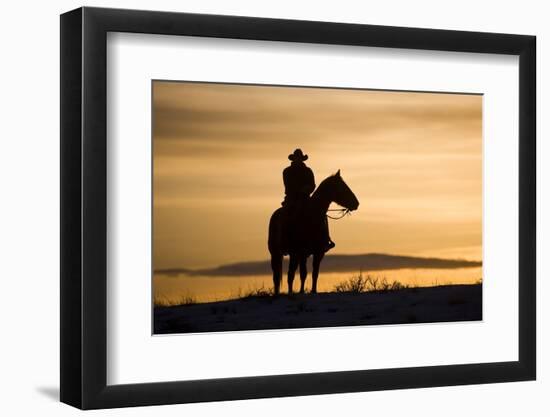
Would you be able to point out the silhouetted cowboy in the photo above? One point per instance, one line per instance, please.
(298, 179)
(299, 183)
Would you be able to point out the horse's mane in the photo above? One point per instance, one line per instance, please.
(324, 183)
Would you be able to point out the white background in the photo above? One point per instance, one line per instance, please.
(29, 220)
(134, 356)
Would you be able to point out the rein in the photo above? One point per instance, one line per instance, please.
(344, 212)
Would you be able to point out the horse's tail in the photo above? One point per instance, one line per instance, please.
(274, 239)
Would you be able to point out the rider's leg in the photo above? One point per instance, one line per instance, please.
(329, 243)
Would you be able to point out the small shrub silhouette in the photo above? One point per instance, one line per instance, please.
(361, 284)
(258, 292)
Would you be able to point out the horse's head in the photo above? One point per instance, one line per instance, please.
(340, 193)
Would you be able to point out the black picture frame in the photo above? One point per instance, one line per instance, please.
(84, 207)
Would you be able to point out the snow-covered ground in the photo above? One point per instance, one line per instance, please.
(412, 305)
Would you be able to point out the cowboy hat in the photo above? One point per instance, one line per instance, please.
(297, 156)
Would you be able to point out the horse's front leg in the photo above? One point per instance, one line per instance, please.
(317, 258)
(303, 273)
(292, 266)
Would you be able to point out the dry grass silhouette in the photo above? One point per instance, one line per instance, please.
(186, 299)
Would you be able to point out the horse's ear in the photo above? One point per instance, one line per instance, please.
(338, 173)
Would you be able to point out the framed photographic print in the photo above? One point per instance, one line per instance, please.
(257, 208)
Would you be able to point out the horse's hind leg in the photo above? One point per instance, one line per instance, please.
(292, 266)
(303, 274)
(317, 258)
(277, 268)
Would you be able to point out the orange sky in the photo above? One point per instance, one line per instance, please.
(414, 161)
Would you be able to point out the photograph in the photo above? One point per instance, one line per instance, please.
(284, 207)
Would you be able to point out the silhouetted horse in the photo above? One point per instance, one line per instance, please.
(308, 234)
